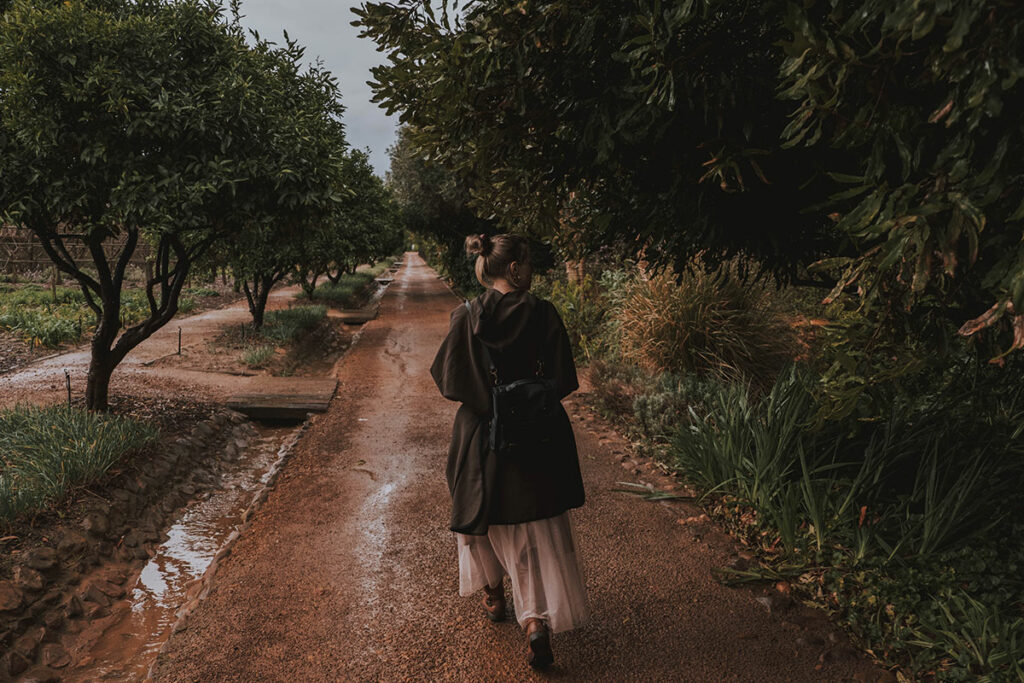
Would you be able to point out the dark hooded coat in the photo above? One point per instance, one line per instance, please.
(488, 488)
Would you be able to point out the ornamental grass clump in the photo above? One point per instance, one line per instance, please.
(287, 324)
(347, 291)
(708, 321)
(46, 451)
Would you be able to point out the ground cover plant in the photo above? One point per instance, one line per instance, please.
(288, 324)
(30, 311)
(46, 451)
(893, 503)
(349, 290)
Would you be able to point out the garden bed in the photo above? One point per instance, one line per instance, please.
(32, 326)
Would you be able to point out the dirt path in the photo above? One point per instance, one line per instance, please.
(43, 380)
(348, 571)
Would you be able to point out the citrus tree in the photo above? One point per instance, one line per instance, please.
(142, 121)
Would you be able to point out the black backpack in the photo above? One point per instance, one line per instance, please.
(522, 411)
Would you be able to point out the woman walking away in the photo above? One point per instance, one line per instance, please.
(511, 493)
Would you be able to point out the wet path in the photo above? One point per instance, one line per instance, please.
(348, 571)
(127, 648)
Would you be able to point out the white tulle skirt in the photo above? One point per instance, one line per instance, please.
(542, 564)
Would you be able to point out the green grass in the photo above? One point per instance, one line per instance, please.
(347, 292)
(378, 269)
(287, 324)
(257, 356)
(31, 312)
(44, 452)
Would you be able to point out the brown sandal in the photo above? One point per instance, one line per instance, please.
(494, 602)
(539, 641)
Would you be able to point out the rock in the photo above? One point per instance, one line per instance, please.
(241, 444)
(114, 574)
(53, 619)
(40, 674)
(74, 606)
(54, 656)
(27, 644)
(92, 593)
(109, 589)
(14, 664)
(96, 523)
(202, 429)
(94, 611)
(72, 543)
(28, 579)
(134, 538)
(10, 596)
(775, 603)
(40, 558)
(51, 597)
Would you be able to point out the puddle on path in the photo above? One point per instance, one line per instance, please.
(127, 649)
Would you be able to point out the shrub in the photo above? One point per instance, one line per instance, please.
(46, 451)
(287, 324)
(257, 356)
(706, 321)
(348, 291)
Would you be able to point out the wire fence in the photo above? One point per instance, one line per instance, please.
(22, 254)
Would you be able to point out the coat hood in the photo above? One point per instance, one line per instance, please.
(497, 319)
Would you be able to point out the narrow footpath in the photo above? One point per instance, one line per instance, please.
(348, 571)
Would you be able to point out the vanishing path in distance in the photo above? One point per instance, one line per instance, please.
(348, 571)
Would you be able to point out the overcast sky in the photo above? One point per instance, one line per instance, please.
(324, 28)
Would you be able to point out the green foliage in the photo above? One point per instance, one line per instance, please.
(582, 308)
(707, 321)
(433, 204)
(922, 100)
(653, 123)
(44, 452)
(154, 122)
(30, 311)
(348, 291)
(878, 506)
(288, 324)
(876, 144)
(257, 356)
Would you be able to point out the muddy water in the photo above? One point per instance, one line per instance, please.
(127, 649)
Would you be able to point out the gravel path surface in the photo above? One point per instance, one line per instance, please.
(349, 573)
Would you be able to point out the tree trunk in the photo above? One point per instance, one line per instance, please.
(102, 360)
(97, 385)
(257, 297)
(309, 286)
(335, 277)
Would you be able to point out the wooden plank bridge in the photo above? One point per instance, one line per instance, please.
(284, 398)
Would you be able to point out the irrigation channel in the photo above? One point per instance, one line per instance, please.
(125, 645)
(127, 648)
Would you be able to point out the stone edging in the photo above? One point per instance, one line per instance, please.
(201, 587)
(85, 571)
